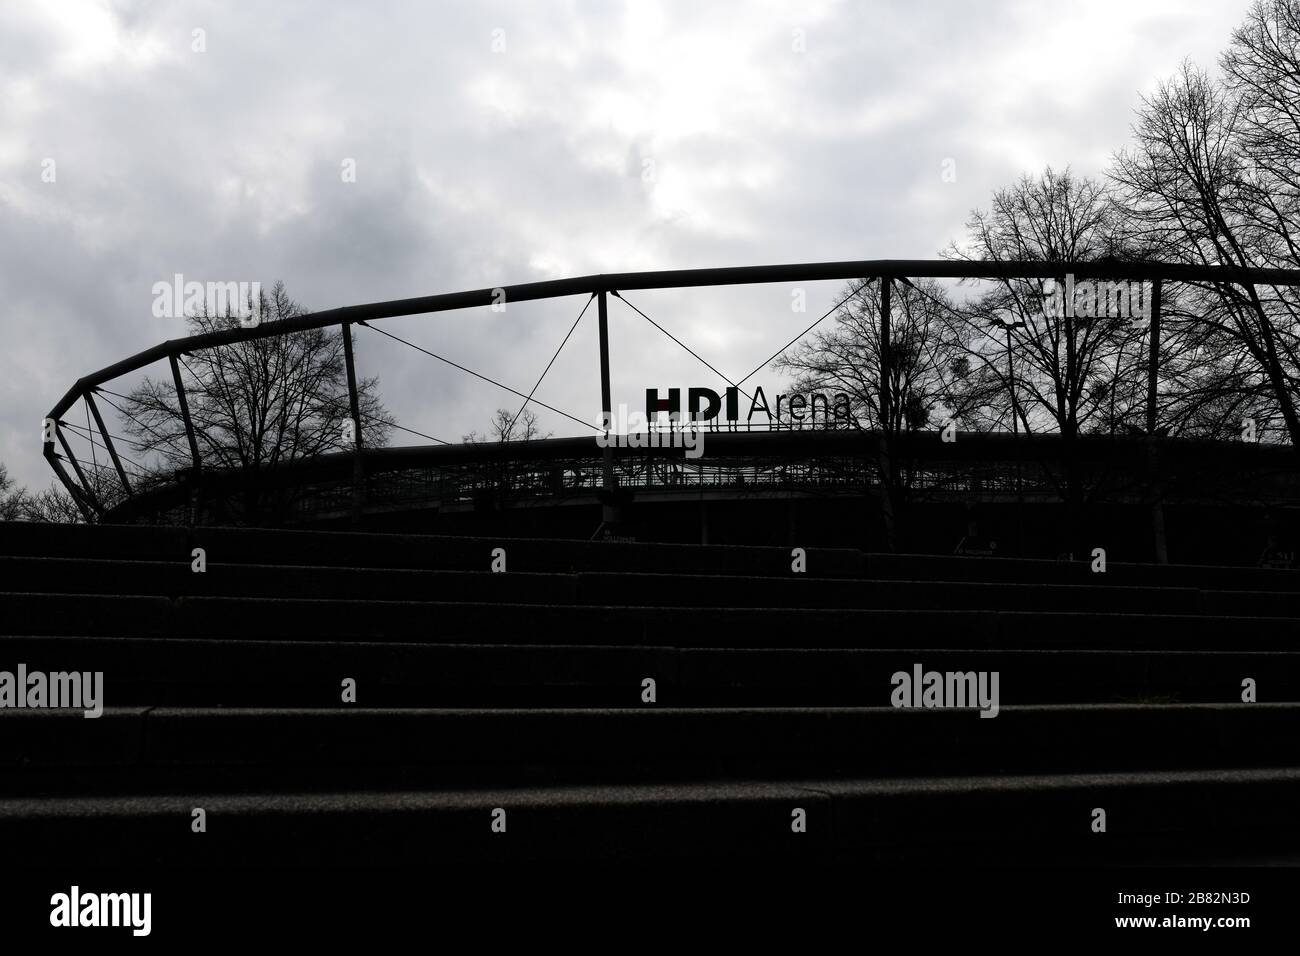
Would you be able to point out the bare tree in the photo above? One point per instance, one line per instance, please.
(1070, 368)
(923, 377)
(1065, 361)
(507, 426)
(1262, 72)
(53, 504)
(255, 404)
(926, 375)
(10, 497)
(1207, 183)
(503, 476)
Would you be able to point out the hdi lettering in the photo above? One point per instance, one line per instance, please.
(704, 404)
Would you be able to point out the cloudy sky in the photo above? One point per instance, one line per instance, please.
(495, 143)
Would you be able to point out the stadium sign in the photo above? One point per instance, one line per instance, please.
(705, 405)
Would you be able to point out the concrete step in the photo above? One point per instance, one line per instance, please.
(28, 613)
(1204, 816)
(349, 549)
(711, 627)
(277, 546)
(125, 542)
(824, 741)
(523, 691)
(198, 671)
(923, 567)
(492, 623)
(309, 673)
(176, 578)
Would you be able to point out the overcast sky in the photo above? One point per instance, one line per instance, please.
(495, 143)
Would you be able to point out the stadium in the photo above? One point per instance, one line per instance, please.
(585, 649)
(771, 481)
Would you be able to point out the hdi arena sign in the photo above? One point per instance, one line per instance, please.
(706, 405)
(633, 429)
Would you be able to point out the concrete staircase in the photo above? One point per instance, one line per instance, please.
(517, 700)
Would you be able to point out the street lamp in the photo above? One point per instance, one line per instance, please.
(1008, 324)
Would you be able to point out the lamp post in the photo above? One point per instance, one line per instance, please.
(1007, 325)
